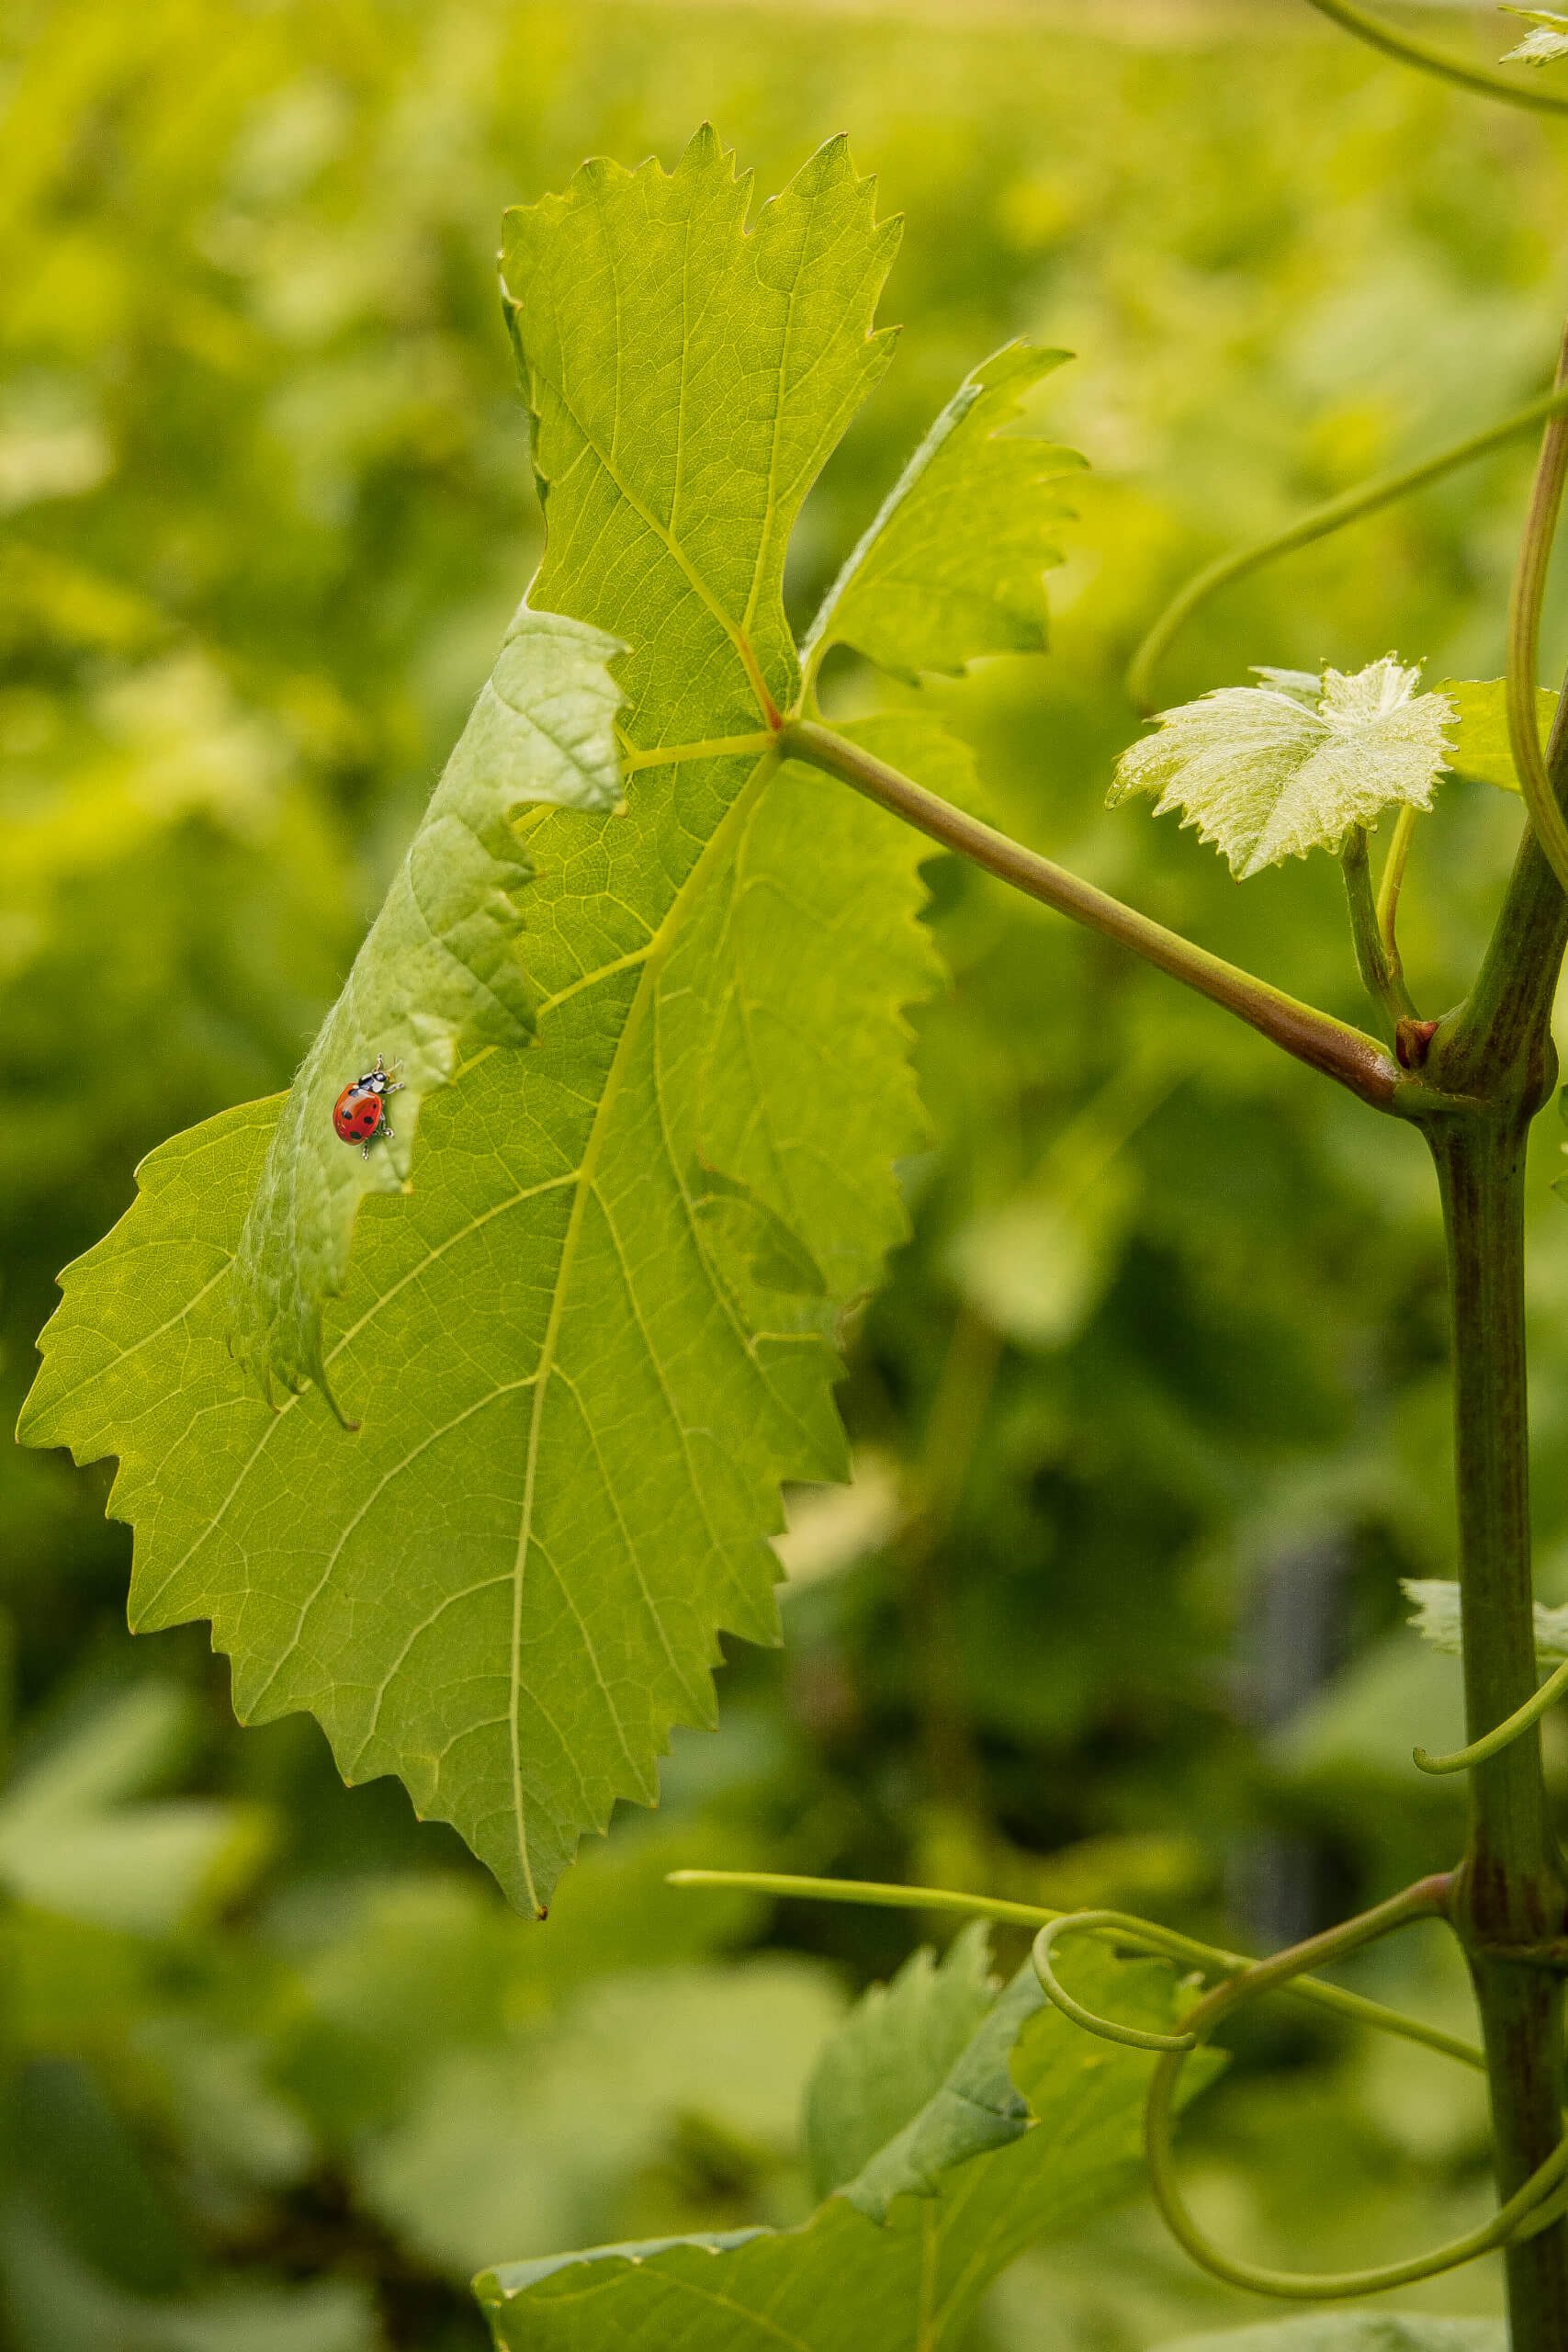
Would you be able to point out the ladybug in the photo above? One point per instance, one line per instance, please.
(359, 1114)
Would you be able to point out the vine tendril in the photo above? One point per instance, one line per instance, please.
(1528, 2209)
(1501, 1735)
(1131, 2037)
(1319, 522)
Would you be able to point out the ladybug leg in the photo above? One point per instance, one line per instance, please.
(388, 1133)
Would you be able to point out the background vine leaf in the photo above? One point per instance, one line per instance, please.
(843, 2283)
(1481, 746)
(1356, 2332)
(1266, 773)
(953, 564)
(437, 977)
(587, 1348)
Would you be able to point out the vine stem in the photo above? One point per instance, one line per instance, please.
(1510, 1888)
(1411, 51)
(1349, 1055)
(1385, 983)
(1321, 522)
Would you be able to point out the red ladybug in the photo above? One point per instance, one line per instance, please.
(359, 1114)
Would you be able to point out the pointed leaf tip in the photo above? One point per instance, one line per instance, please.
(953, 565)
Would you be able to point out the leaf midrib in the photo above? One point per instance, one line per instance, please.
(636, 1012)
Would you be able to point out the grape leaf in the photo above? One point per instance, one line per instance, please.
(1548, 41)
(953, 564)
(588, 1346)
(437, 977)
(80, 1836)
(1481, 746)
(842, 2283)
(1356, 2332)
(1436, 1617)
(892, 2054)
(1265, 772)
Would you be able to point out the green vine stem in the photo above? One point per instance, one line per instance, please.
(1428, 1899)
(1164, 1943)
(1511, 1890)
(1411, 52)
(1332, 1046)
(1501, 1735)
(1320, 523)
(1390, 885)
(1383, 984)
(1523, 672)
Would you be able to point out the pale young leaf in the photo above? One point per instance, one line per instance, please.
(1546, 42)
(1435, 1615)
(1265, 772)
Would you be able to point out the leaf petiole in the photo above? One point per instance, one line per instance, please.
(1340, 1052)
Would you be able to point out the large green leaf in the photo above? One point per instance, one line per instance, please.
(954, 563)
(589, 1345)
(437, 977)
(843, 2283)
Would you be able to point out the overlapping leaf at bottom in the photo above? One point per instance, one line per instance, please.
(582, 1353)
(843, 2283)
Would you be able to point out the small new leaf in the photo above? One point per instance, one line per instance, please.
(1548, 41)
(1266, 773)
(438, 976)
(953, 565)
(1481, 746)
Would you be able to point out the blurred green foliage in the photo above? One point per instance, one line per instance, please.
(1154, 1413)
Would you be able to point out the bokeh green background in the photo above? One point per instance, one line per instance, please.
(1153, 1415)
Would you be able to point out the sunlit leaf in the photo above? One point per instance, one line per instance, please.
(437, 978)
(589, 1345)
(1265, 774)
(953, 565)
